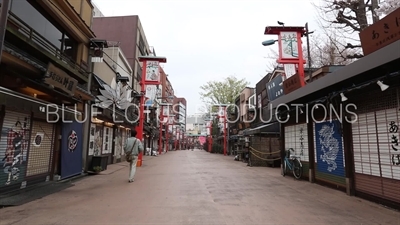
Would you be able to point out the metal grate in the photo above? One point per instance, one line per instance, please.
(372, 143)
(41, 147)
(14, 146)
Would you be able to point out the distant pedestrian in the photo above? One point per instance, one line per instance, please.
(132, 148)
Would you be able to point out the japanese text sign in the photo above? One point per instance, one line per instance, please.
(293, 83)
(382, 33)
(275, 88)
(394, 142)
(60, 79)
(152, 71)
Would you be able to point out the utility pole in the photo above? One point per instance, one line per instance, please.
(3, 24)
(308, 52)
(375, 5)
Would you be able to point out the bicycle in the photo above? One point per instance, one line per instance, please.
(292, 163)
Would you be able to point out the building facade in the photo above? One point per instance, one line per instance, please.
(111, 124)
(179, 104)
(132, 41)
(44, 61)
(344, 125)
(131, 36)
(196, 125)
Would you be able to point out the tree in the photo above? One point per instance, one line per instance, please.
(386, 7)
(222, 92)
(347, 18)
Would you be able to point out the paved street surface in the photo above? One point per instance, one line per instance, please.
(196, 187)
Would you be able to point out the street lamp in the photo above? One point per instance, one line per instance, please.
(289, 38)
(162, 115)
(223, 107)
(210, 133)
(150, 76)
(268, 42)
(167, 130)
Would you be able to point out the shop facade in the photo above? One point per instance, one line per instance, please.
(345, 128)
(110, 125)
(40, 140)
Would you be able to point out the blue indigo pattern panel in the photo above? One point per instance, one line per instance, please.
(71, 149)
(329, 148)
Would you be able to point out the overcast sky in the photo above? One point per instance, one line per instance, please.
(211, 39)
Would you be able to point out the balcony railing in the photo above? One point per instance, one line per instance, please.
(41, 41)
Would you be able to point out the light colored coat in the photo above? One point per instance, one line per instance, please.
(136, 149)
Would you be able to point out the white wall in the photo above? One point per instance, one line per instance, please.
(102, 70)
(96, 11)
(115, 57)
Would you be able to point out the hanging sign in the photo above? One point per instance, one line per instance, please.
(381, 33)
(293, 83)
(60, 79)
(152, 71)
(275, 88)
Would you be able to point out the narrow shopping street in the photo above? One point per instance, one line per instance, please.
(196, 187)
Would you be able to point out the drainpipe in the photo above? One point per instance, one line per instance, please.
(3, 24)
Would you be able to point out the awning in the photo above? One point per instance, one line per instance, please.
(99, 80)
(44, 106)
(271, 128)
(382, 56)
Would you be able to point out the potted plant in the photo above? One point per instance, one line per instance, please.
(97, 169)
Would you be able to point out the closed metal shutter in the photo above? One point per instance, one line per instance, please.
(14, 147)
(376, 161)
(376, 149)
(41, 148)
(296, 137)
(329, 152)
(107, 140)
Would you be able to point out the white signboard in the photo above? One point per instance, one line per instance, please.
(290, 70)
(165, 110)
(151, 91)
(152, 71)
(289, 45)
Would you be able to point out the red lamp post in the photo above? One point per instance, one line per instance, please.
(150, 76)
(170, 122)
(177, 138)
(166, 136)
(163, 114)
(182, 141)
(209, 135)
(290, 49)
(222, 115)
(161, 128)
